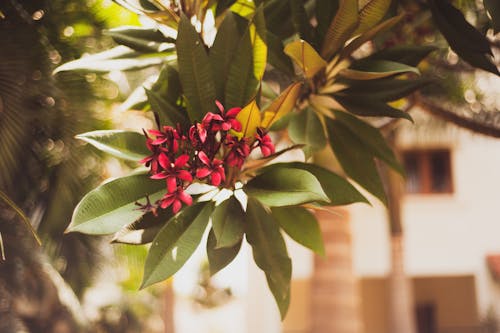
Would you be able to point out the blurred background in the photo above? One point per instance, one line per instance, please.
(441, 275)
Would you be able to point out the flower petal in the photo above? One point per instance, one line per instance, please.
(233, 112)
(171, 184)
(184, 175)
(204, 158)
(176, 207)
(164, 161)
(203, 172)
(186, 198)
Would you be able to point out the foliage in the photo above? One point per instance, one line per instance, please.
(334, 93)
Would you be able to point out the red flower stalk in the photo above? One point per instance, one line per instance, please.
(212, 168)
(264, 142)
(173, 171)
(175, 199)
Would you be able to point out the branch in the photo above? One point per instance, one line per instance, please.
(458, 120)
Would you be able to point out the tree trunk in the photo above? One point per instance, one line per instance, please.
(169, 304)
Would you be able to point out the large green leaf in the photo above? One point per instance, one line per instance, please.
(269, 252)
(368, 69)
(141, 39)
(227, 223)
(356, 160)
(410, 55)
(194, 71)
(277, 58)
(371, 14)
(368, 107)
(222, 52)
(120, 58)
(301, 225)
(122, 144)
(248, 64)
(111, 206)
(493, 8)
(306, 128)
(371, 138)
(325, 12)
(168, 84)
(169, 114)
(285, 187)
(145, 229)
(385, 89)
(463, 38)
(176, 242)
(220, 257)
(306, 57)
(341, 28)
(338, 189)
(301, 21)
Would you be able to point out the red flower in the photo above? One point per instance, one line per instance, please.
(264, 142)
(229, 118)
(173, 171)
(239, 151)
(175, 199)
(152, 160)
(169, 136)
(197, 134)
(213, 168)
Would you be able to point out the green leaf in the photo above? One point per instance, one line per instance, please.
(277, 58)
(386, 89)
(325, 12)
(285, 187)
(141, 39)
(120, 58)
(493, 8)
(269, 252)
(306, 57)
(371, 138)
(300, 20)
(410, 55)
(250, 119)
(223, 51)
(194, 71)
(169, 114)
(368, 107)
(222, 6)
(306, 128)
(371, 14)
(341, 28)
(281, 105)
(248, 64)
(11, 204)
(218, 258)
(111, 206)
(168, 84)
(243, 8)
(175, 243)
(227, 223)
(356, 160)
(301, 225)
(463, 38)
(278, 17)
(337, 188)
(121, 144)
(368, 69)
(144, 230)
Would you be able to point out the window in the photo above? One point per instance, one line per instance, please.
(428, 171)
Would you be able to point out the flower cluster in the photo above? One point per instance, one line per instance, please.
(211, 151)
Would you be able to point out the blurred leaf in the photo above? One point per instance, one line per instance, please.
(111, 206)
(301, 21)
(341, 28)
(250, 119)
(306, 128)
(166, 17)
(306, 57)
(269, 252)
(375, 69)
(463, 38)
(120, 58)
(282, 105)
(410, 55)
(301, 226)
(371, 14)
(175, 243)
(194, 71)
(169, 114)
(369, 35)
(243, 8)
(338, 189)
(222, 6)
(5, 198)
(222, 52)
(493, 8)
(121, 144)
(285, 186)
(369, 107)
(248, 64)
(325, 12)
(385, 89)
(227, 223)
(141, 39)
(137, 6)
(220, 257)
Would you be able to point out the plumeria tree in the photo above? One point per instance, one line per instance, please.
(210, 161)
